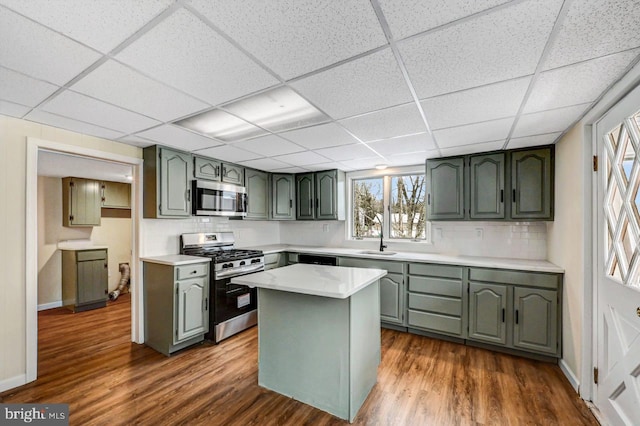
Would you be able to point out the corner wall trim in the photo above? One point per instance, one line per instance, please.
(13, 382)
(570, 375)
(51, 305)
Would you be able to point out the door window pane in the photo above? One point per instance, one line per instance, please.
(367, 207)
(407, 206)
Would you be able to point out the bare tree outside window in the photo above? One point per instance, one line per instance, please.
(367, 207)
(407, 206)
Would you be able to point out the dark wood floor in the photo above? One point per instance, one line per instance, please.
(88, 361)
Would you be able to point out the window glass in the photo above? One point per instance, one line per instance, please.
(367, 207)
(407, 206)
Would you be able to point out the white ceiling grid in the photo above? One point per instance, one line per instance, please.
(480, 75)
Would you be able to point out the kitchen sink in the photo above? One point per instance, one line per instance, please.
(383, 253)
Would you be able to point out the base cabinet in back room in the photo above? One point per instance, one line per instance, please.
(85, 279)
(176, 299)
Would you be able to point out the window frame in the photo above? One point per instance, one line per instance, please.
(386, 174)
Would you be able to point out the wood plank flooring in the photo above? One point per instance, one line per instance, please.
(88, 361)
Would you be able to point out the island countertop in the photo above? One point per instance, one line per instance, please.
(337, 282)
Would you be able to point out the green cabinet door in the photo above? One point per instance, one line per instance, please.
(486, 183)
(283, 194)
(305, 196)
(445, 189)
(535, 319)
(487, 312)
(232, 173)
(81, 199)
(391, 298)
(326, 195)
(531, 184)
(175, 175)
(92, 281)
(192, 308)
(257, 185)
(116, 195)
(206, 168)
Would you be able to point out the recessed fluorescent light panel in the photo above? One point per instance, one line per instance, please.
(276, 110)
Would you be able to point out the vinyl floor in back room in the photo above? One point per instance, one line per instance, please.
(88, 361)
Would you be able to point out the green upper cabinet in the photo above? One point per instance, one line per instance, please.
(532, 184)
(486, 186)
(81, 200)
(232, 174)
(305, 199)
(445, 189)
(283, 195)
(116, 195)
(206, 168)
(257, 184)
(167, 174)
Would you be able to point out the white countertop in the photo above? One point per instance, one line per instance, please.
(175, 259)
(405, 256)
(318, 280)
(76, 245)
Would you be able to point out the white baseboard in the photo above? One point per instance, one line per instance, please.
(570, 375)
(13, 382)
(51, 305)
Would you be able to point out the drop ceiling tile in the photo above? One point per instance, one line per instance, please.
(136, 141)
(39, 52)
(347, 152)
(228, 153)
(82, 108)
(100, 24)
(408, 17)
(474, 133)
(403, 145)
(23, 90)
(294, 37)
(414, 158)
(594, 28)
(291, 170)
(321, 136)
(302, 158)
(267, 164)
(184, 52)
(473, 148)
(366, 84)
(577, 84)
(362, 163)
(73, 125)
(557, 120)
(498, 46)
(483, 103)
(13, 110)
(537, 140)
(120, 85)
(326, 166)
(386, 123)
(178, 138)
(269, 146)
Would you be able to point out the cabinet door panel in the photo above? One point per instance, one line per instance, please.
(535, 319)
(92, 281)
(531, 189)
(305, 192)
(391, 298)
(326, 196)
(206, 168)
(232, 174)
(487, 186)
(175, 172)
(487, 312)
(85, 201)
(116, 195)
(283, 195)
(445, 183)
(257, 184)
(191, 318)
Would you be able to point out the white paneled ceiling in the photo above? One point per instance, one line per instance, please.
(395, 81)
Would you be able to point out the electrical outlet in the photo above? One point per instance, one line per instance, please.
(479, 233)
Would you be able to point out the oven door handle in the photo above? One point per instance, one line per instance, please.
(231, 273)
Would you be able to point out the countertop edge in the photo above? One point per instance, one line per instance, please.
(175, 259)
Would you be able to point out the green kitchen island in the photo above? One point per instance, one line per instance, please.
(319, 334)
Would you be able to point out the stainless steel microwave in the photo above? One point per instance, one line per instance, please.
(218, 199)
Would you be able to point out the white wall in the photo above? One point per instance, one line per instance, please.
(520, 240)
(115, 233)
(13, 134)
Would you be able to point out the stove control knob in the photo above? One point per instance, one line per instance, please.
(255, 260)
(227, 265)
(242, 262)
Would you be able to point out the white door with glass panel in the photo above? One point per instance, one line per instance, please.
(617, 290)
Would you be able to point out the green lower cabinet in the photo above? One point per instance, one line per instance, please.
(487, 312)
(536, 319)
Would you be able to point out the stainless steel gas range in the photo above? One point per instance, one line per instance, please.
(234, 306)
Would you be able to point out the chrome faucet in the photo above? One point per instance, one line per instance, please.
(382, 246)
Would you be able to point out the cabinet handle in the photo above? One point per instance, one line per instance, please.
(514, 195)
(194, 272)
(429, 199)
(310, 205)
(502, 195)
(217, 171)
(105, 265)
(290, 204)
(503, 314)
(206, 304)
(188, 195)
(516, 316)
